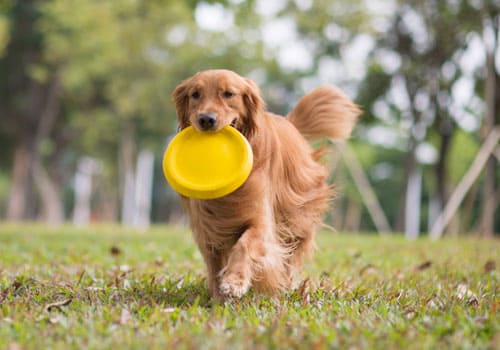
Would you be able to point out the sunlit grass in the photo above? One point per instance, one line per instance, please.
(103, 287)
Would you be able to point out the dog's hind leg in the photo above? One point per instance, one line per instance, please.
(214, 265)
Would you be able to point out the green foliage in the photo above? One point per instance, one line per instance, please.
(463, 152)
(103, 58)
(119, 62)
(376, 83)
(4, 30)
(344, 14)
(106, 286)
(4, 25)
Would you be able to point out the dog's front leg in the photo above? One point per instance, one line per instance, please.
(256, 257)
(236, 276)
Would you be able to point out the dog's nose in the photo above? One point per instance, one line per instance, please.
(206, 121)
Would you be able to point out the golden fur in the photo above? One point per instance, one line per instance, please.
(258, 235)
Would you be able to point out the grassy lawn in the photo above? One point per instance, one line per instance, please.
(108, 287)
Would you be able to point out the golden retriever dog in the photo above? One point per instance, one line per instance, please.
(258, 235)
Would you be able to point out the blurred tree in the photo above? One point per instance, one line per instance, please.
(490, 15)
(119, 67)
(426, 40)
(316, 38)
(29, 109)
(115, 77)
(102, 73)
(90, 77)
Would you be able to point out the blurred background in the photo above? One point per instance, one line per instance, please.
(86, 113)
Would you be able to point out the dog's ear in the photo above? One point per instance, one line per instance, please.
(254, 105)
(181, 100)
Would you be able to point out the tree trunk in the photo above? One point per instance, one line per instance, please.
(352, 216)
(52, 209)
(49, 190)
(445, 132)
(412, 204)
(127, 176)
(28, 168)
(467, 211)
(410, 168)
(143, 189)
(20, 196)
(411, 164)
(465, 184)
(441, 169)
(368, 196)
(83, 191)
(489, 202)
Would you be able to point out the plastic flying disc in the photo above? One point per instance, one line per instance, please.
(207, 165)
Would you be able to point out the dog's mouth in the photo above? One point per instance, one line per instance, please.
(215, 128)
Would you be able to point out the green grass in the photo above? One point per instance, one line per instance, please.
(108, 287)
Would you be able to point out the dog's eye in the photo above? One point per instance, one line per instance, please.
(228, 94)
(196, 95)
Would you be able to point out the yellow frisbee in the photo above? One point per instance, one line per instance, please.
(207, 165)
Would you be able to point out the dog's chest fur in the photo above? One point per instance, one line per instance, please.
(218, 223)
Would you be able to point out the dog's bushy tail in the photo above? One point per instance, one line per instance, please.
(325, 113)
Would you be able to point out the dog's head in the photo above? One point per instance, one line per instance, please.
(213, 99)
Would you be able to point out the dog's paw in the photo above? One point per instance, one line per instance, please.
(233, 284)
